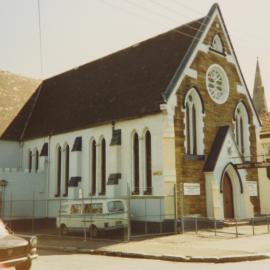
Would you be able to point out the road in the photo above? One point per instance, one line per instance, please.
(66, 261)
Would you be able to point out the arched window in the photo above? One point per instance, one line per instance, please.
(242, 129)
(30, 161)
(193, 123)
(103, 167)
(136, 166)
(148, 163)
(188, 136)
(93, 167)
(37, 161)
(58, 172)
(194, 129)
(217, 44)
(66, 169)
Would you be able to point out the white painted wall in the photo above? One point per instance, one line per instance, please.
(156, 124)
(10, 155)
(24, 195)
(23, 184)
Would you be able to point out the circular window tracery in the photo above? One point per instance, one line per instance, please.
(217, 84)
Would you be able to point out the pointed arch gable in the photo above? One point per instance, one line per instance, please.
(231, 165)
(197, 45)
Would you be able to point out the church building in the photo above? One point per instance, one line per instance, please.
(169, 114)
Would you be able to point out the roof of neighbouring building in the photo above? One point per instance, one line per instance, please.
(127, 84)
(15, 90)
(265, 118)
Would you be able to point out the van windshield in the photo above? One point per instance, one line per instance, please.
(76, 209)
(116, 206)
(93, 208)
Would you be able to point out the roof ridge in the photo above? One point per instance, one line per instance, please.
(124, 49)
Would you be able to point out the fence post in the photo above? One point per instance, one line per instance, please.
(33, 212)
(253, 229)
(59, 217)
(268, 229)
(11, 210)
(215, 226)
(175, 209)
(145, 216)
(182, 224)
(196, 224)
(128, 213)
(236, 227)
(84, 221)
(160, 217)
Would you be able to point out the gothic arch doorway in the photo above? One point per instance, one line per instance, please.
(228, 203)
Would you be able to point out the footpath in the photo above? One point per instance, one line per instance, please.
(188, 247)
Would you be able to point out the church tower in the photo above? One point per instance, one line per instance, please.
(259, 99)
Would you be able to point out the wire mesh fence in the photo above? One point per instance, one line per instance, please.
(111, 218)
(122, 218)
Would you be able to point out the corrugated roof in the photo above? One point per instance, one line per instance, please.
(123, 85)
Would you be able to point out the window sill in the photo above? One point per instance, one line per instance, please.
(147, 192)
(57, 195)
(65, 195)
(194, 157)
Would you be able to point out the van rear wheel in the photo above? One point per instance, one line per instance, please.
(93, 231)
(63, 229)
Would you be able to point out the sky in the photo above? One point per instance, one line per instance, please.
(74, 32)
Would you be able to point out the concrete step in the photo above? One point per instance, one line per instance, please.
(233, 223)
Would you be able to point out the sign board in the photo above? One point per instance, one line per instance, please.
(252, 188)
(252, 165)
(191, 189)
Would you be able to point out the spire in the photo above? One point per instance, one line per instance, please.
(259, 99)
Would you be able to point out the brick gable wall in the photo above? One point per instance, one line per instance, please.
(215, 115)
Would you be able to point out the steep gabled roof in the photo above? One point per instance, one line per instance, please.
(213, 156)
(127, 84)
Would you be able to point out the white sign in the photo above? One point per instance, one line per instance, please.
(252, 188)
(192, 189)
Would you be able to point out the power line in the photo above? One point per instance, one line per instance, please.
(175, 12)
(236, 29)
(40, 40)
(147, 18)
(156, 13)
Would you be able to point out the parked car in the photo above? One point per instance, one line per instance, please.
(96, 216)
(16, 251)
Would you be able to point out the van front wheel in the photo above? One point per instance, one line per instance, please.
(93, 231)
(63, 229)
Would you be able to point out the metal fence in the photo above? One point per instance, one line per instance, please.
(142, 217)
(152, 215)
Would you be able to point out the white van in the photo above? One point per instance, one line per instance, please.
(94, 215)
